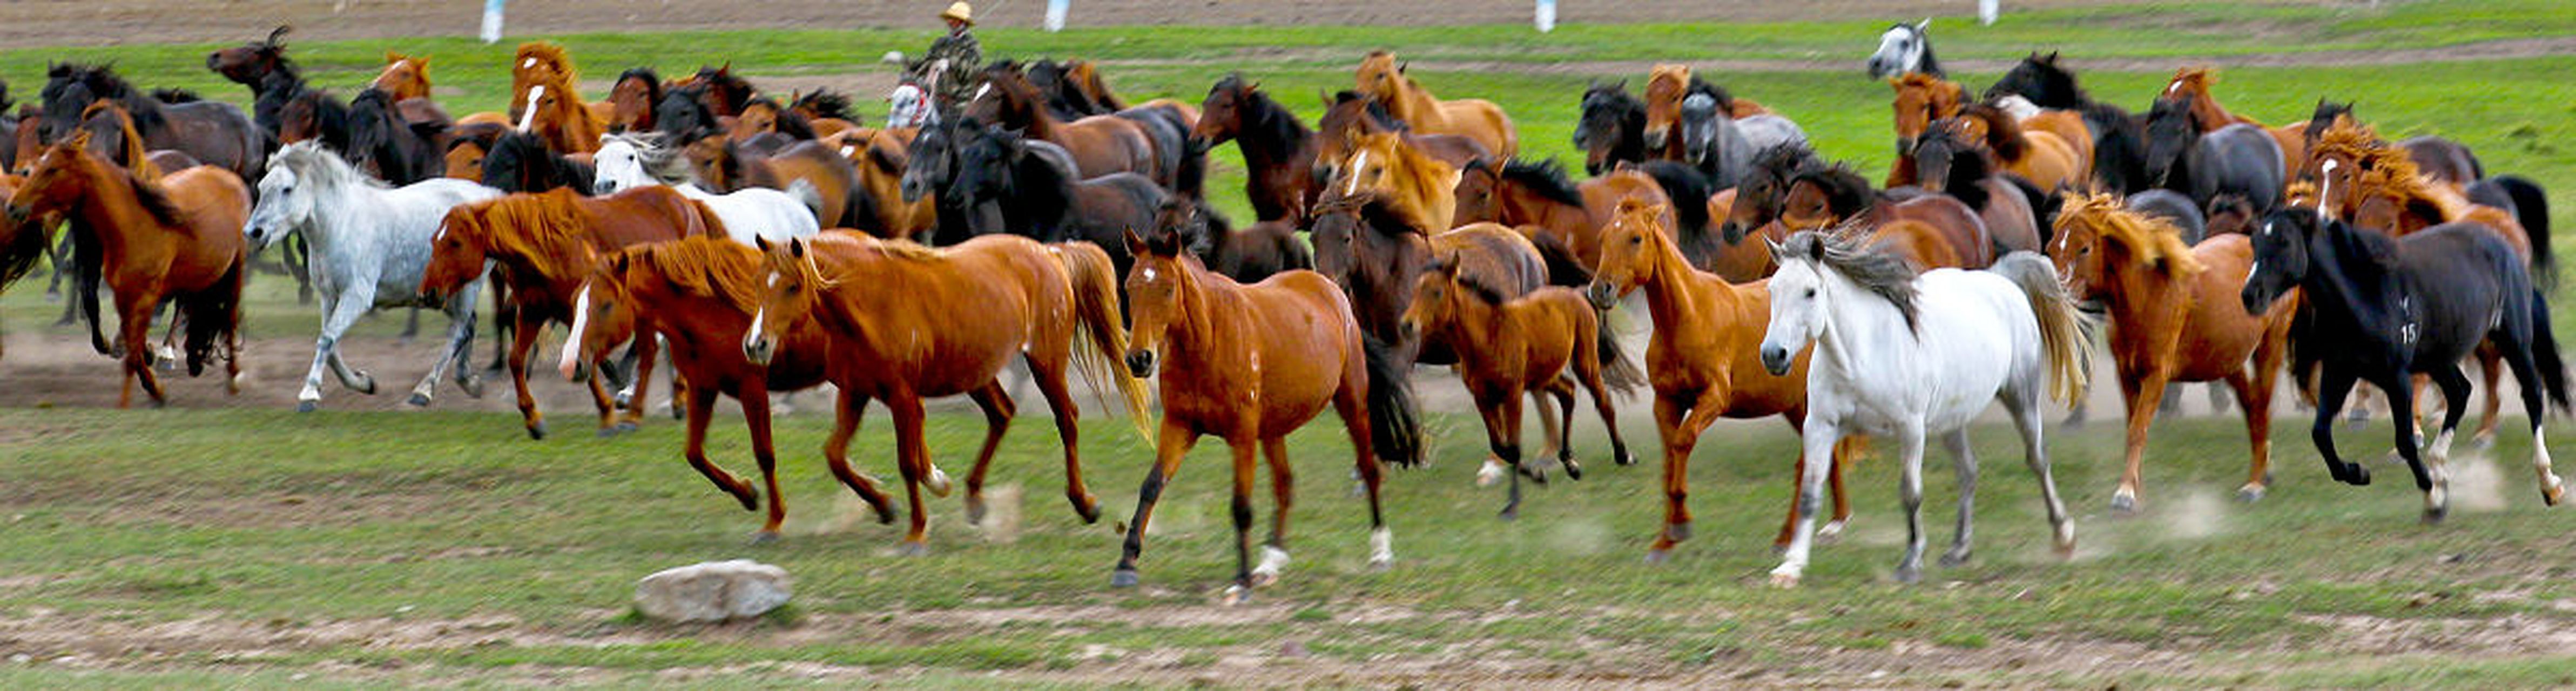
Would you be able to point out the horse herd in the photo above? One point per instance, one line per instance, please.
(771, 245)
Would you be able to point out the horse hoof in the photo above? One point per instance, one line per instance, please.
(1909, 574)
(1573, 471)
(1235, 595)
(763, 537)
(885, 516)
(2434, 515)
(1511, 513)
(1784, 580)
(369, 388)
(1264, 580)
(418, 400)
(606, 432)
(625, 398)
(1953, 559)
(912, 549)
(1122, 578)
(1658, 557)
(626, 427)
(974, 511)
(1620, 456)
(307, 406)
(1089, 509)
(1488, 475)
(1381, 565)
(2249, 493)
(1677, 532)
(2124, 504)
(2358, 476)
(537, 431)
(1831, 533)
(938, 483)
(473, 386)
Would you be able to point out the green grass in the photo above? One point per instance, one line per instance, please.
(280, 524)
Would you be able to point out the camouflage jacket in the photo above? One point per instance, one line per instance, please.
(956, 80)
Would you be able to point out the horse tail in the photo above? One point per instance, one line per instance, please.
(804, 192)
(1618, 371)
(2531, 209)
(2544, 352)
(1394, 430)
(1095, 305)
(2061, 327)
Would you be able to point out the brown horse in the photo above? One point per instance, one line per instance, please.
(1559, 214)
(1278, 150)
(697, 294)
(1248, 364)
(1348, 116)
(1415, 187)
(880, 161)
(1920, 99)
(1384, 82)
(542, 62)
(1529, 344)
(2039, 156)
(723, 167)
(2193, 82)
(1704, 362)
(543, 247)
(1100, 144)
(557, 115)
(631, 100)
(903, 323)
(1939, 230)
(177, 239)
(406, 79)
(826, 110)
(1666, 86)
(2175, 317)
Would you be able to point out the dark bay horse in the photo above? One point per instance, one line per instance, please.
(2397, 307)
(1611, 128)
(213, 132)
(521, 162)
(904, 323)
(2188, 155)
(1950, 163)
(383, 143)
(1247, 364)
(1100, 144)
(1278, 150)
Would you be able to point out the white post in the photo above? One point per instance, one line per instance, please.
(1056, 9)
(1545, 19)
(492, 20)
(1987, 10)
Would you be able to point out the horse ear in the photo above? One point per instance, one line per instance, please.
(761, 243)
(1135, 245)
(392, 57)
(617, 263)
(796, 247)
(1924, 25)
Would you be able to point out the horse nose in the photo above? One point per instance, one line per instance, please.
(1731, 231)
(18, 214)
(1409, 330)
(757, 350)
(604, 187)
(1140, 362)
(1601, 295)
(1775, 359)
(1904, 144)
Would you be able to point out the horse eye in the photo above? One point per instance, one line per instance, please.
(1636, 239)
(1811, 292)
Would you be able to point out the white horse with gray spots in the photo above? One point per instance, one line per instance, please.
(370, 243)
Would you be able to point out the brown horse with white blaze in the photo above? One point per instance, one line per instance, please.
(1248, 364)
(1705, 362)
(2175, 317)
(904, 323)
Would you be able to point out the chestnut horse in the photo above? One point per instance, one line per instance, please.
(1384, 82)
(1543, 342)
(632, 99)
(543, 246)
(541, 62)
(1100, 144)
(723, 168)
(1920, 99)
(1564, 219)
(178, 239)
(1937, 230)
(904, 322)
(2193, 83)
(406, 79)
(880, 161)
(2174, 318)
(2040, 156)
(1248, 364)
(1705, 362)
(557, 115)
(1666, 85)
(827, 110)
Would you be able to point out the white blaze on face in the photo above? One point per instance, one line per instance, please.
(572, 341)
(529, 116)
(1358, 163)
(981, 90)
(1149, 274)
(2170, 89)
(529, 63)
(2325, 184)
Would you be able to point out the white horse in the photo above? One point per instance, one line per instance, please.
(369, 244)
(1901, 357)
(629, 161)
(1905, 48)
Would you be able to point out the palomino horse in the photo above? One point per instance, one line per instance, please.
(178, 238)
(1420, 190)
(1906, 356)
(1348, 115)
(370, 243)
(1278, 150)
(1100, 144)
(2397, 307)
(989, 299)
(1704, 362)
(2172, 321)
(1384, 82)
(543, 246)
(1543, 342)
(1248, 364)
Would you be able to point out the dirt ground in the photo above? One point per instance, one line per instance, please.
(30, 23)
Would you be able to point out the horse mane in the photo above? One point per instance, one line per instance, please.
(1698, 86)
(1546, 178)
(2003, 133)
(783, 121)
(2155, 241)
(136, 158)
(664, 164)
(2296, 193)
(1616, 97)
(311, 161)
(537, 225)
(707, 267)
(1931, 64)
(1476, 285)
(692, 97)
(1375, 111)
(2045, 79)
(175, 95)
(826, 103)
(547, 53)
(1085, 77)
(2192, 80)
(1845, 252)
(737, 90)
(1969, 166)
(1846, 192)
(1786, 157)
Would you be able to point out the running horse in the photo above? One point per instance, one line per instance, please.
(1611, 128)
(1704, 362)
(1100, 144)
(541, 62)
(2172, 320)
(1418, 189)
(176, 239)
(904, 322)
(1667, 85)
(1564, 219)
(1384, 82)
(1348, 116)
(544, 246)
(632, 99)
(2191, 86)
(1247, 364)
(1930, 231)
(556, 114)
(406, 79)
(1950, 160)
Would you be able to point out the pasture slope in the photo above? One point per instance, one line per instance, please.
(235, 543)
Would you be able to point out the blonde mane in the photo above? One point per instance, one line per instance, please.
(545, 231)
(716, 268)
(2154, 241)
(136, 158)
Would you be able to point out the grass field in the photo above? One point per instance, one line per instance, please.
(259, 548)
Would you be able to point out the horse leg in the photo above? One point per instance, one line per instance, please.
(1505, 446)
(998, 409)
(299, 261)
(755, 416)
(524, 329)
(1552, 420)
(836, 453)
(352, 304)
(1817, 438)
(1351, 403)
(2334, 385)
(1174, 442)
(1680, 424)
(1909, 491)
(505, 323)
(2024, 402)
(638, 393)
(2526, 377)
(411, 326)
(1966, 459)
(135, 310)
(2401, 413)
(2437, 455)
(1244, 446)
(600, 398)
(2491, 369)
(460, 341)
(1068, 431)
(912, 457)
(1563, 389)
(2258, 425)
(2144, 392)
(311, 397)
(1283, 488)
(695, 450)
(1588, 368)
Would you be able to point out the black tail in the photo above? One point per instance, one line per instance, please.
(1563, 267)
(1394, 428)
(2544, 353)
(2043, 206)
(2531, 208)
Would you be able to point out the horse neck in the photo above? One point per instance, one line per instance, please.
(2209, 114)
(1197, 332)
(1856, 317)
(1673, 297)
(1410, 101)
(110, 207)
(1477, 327)
(1280, 139)
(2330, 280)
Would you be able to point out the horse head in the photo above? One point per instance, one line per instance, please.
(1158, 284)
(1628, 248)
(405, 77)
(1612, 127)
(2280, 255)
(1902, 48)
(1665, 87)
(247, 63)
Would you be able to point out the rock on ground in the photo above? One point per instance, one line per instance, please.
(713, 591)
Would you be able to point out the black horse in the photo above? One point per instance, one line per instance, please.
(520, 162)
(683, 114)
(929, 169)
(2119, 139)
(2398, 307)
(309, 113)
(1612, 129)
(2239, 158)
(381, 142)
(1040, 196)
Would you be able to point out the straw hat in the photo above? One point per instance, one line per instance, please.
(960, 12)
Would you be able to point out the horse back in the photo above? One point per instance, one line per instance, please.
(641, 215)
(1499, 256)
(1958, 225)
(216, 201)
